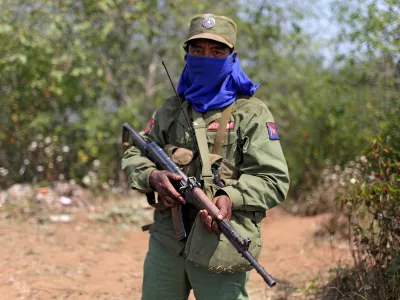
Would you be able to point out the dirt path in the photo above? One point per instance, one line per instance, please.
(91, 260)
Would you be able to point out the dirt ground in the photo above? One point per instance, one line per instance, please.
(83, 259)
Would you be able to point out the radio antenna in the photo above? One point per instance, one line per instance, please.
(183, 111)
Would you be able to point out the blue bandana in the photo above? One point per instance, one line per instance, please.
(212, 83)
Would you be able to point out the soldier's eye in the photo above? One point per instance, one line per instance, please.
(218, 53)
(196, 52)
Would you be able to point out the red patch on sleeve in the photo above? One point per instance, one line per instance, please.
(215, 125)
(149, 125)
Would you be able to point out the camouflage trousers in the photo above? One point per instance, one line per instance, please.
(169, 276)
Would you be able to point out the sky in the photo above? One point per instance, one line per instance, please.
(321, 25)
(319, 22)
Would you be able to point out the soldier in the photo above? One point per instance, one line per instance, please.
(238, 160)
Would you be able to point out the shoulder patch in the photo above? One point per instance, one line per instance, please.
(149, 125)
(272, 131)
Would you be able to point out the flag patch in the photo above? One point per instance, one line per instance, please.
(215, 125)
(272, 131)
(149, 125)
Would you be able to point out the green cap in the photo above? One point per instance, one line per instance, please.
(213, 27)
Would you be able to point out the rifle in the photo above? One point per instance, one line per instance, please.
(190, 186)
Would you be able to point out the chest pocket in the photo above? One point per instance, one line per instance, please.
(229, 147)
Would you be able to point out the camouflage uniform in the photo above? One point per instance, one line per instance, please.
(256, 179)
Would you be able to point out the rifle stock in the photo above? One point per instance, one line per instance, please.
(190, 186)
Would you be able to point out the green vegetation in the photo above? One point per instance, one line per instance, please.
(372, 205)
(71, 72)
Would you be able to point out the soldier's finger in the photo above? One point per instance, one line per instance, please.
(166, 201)
(223, 212)
(173, 193)
(208, 222)
(173, 176)
(215, 227)
(170, 202)
(203, 215)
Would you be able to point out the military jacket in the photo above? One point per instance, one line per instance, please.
(249, 146)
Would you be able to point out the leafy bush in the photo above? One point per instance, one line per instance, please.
(373, 207)
(333, 182)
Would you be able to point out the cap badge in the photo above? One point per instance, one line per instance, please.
(208, 23)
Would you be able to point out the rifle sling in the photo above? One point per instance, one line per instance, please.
(200, 129)
(222, 130)
(201, 136)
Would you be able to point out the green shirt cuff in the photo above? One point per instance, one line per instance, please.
(143, 181)
(235, 196)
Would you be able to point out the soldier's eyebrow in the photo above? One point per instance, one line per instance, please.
(193, 44)
(216, 46)
(219, 47)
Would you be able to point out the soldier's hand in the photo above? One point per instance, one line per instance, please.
(224, 205)
(160, 181)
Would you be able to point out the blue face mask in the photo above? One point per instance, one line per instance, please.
(212, 83)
